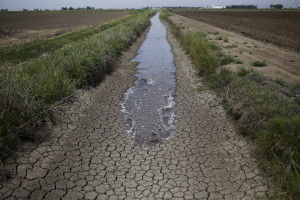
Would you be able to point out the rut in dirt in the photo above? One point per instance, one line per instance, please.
(148, 105)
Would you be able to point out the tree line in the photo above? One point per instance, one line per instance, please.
(71, 8)
(276, 6)
(242, 7)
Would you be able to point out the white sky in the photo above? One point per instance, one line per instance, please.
(57, 4)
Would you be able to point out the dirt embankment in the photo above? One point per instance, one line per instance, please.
(277, 27)
(16, 28)
(281, 63)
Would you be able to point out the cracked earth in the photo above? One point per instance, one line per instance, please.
(90, 156)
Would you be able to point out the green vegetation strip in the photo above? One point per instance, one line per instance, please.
(267, 111)
(14, 55)
(28, 91)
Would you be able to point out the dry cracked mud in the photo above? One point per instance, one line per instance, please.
(90, 156)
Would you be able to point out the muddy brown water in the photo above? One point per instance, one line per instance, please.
(148, 105)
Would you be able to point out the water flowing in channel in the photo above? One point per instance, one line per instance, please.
(148, 106)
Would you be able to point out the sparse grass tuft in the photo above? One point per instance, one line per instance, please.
(238, 61)
(230, 46)
(219, 38)
(227, 59)
(225, 39)
(259, 63)
(221, 80)
(242, 71)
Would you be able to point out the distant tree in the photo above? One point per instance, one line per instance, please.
(90, 8)
(36, 9)
(276, 6)
(64, 8)
(71, 8)
(25, 10)
(241, 7)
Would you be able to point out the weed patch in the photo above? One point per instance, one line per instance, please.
(28, 92)
(219, 38)
(259, 63)
(230, 46)
(14, 55)
(267, 111)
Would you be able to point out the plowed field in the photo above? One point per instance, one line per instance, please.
(281, 28)
(16, 28)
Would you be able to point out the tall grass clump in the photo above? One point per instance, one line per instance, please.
(201, 52)
(29, 90)
(266, 111)
(259, 63)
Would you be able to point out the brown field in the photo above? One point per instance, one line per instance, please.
(281, 28)
(16, 28)
(282, 63)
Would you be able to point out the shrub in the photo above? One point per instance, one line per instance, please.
(242, 72)
(227, 59)
(259, 63)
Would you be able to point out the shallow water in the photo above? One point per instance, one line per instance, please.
(148, 106)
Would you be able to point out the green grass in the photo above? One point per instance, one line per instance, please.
(238, 61)
(219, 37)
(227, 59)
(269, 118)
(27, 92)
(242, 71)
(225, 39)
(259, 63)
(17, 54)
(230, 46)
(280, 139)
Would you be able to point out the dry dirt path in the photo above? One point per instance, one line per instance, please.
(90, 156)
(281, 63)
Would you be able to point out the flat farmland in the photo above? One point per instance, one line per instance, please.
(281, 28)
(20, 27)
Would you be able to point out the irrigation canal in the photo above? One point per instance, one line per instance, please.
(148, 105)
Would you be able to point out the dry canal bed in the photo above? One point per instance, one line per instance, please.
(89, 155)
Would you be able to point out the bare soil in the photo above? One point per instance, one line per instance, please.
(282, 63)
(277, 27)
(16, 28)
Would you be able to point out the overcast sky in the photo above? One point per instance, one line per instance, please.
(57, 4)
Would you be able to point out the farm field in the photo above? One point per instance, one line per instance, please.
(278, 27)
(282, 63)
(17, 28)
